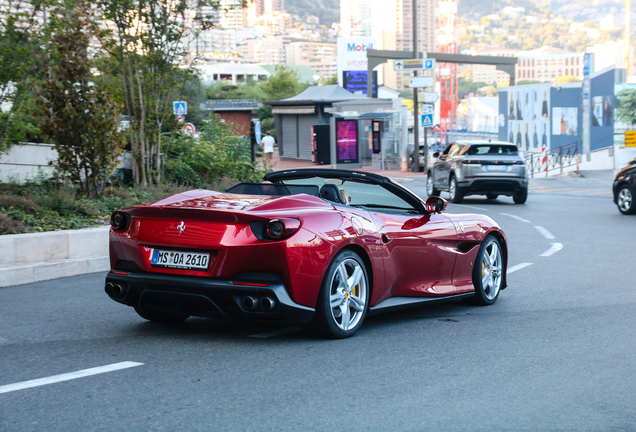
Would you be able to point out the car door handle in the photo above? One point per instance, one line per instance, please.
(386, 238)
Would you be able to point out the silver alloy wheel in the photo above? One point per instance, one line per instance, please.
(452, 189)
(491, 266)
(429, 185)
(625, 199)
(348, 294)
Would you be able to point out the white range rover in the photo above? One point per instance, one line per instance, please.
(490, 168)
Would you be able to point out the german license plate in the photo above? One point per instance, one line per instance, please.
(502, 168)
(180, 259)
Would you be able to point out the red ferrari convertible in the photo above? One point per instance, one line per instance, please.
(318, 247)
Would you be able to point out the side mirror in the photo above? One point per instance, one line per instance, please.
(435, 204)
(436, 154)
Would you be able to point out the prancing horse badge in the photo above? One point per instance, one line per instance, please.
(181, 227)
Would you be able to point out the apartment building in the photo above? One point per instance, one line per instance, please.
(547, 63)
(488, 73)
(401, 38)
(304, 52)
(268, 50)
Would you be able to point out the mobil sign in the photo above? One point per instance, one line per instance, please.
(358, 47)
(352, 54)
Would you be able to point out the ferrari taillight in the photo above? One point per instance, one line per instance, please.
(278, 229)
(119, 221)
(275, 229)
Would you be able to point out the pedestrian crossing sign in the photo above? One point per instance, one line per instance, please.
(427, 120)
(180, 107)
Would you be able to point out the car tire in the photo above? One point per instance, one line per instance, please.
(521, 197)
(491, 196)
(341, 308)
(455, 195)
(625, 200)
(487, 273)
(161, 317)
(431, 190)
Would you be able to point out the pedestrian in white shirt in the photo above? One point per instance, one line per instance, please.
(267, 145)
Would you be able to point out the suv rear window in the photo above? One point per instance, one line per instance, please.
(492, 149)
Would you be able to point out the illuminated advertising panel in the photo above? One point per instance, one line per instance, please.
(347, 141)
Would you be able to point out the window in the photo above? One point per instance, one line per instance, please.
(492, 149)
(454, 149)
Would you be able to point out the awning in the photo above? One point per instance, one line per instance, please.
(294, 110)
(377, 115)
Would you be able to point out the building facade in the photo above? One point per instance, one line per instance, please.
(488, 73)
(547, 63)
(401, 38)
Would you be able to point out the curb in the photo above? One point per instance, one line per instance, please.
(37, 257)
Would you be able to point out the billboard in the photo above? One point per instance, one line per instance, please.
(356, 81)
(346, 141)
(352, 54)
(565, 121)
(526, 121)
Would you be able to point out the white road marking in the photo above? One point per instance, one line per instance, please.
(473, 207)
(516, 217)
(547, 234)
(67, 376)
(554, 249)
(278, 332)
(518, 267)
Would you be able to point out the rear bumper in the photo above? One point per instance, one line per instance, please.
(205, 297)
(494, 185)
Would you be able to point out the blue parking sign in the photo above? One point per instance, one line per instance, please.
(180, 107)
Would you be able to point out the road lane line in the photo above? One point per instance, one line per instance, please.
(473, 207)
(554, 249)
(274, 333)
(67, 376)
(518, 267)
(547, 234)
(515, 217)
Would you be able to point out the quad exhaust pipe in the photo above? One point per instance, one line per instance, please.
(250, 303)
(253, 304)
(268, 303)
(115, 290)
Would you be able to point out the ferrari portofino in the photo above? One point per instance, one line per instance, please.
(319, 247)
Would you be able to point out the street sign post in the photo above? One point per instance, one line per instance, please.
(420, 82)
(429, 97)
(427, 120)
(426, 109)
(180, 107)
(180, 118)
(189, 129)
(410, 65)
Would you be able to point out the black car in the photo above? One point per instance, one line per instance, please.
(624, 186)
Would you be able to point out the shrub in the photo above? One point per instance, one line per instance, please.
(9, 225)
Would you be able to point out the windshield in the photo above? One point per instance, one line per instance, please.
(492, 149)
(360, 194)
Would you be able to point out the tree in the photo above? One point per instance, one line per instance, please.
(567, 79)
(152, 42)
(331, 81)
(626, 106)
(283, 84)
(76, 113)
(17, 50)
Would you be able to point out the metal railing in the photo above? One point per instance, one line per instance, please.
(556, 158)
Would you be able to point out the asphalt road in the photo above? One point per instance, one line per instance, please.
(556, 352)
